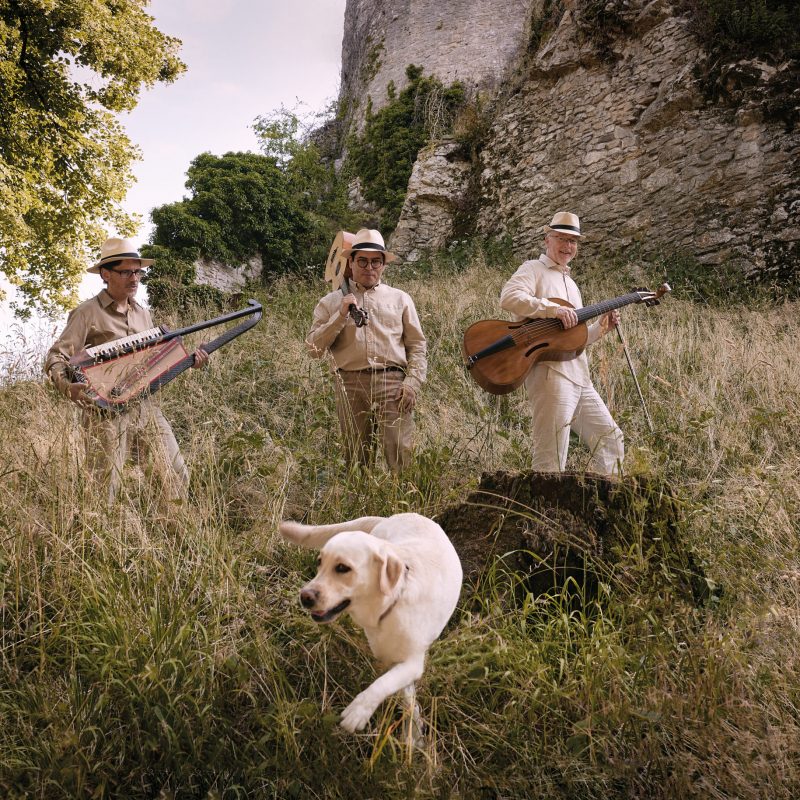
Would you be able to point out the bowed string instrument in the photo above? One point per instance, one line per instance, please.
(337, 272)
(499, 354)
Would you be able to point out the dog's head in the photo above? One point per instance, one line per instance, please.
(356, 573)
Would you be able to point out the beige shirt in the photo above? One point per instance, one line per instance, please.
(525, 297)
(392, 338)
(93, 322)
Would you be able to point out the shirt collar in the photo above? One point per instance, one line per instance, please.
(105, 300)
(550, 264)
(362, 289)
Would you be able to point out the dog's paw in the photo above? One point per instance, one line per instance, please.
(293, 531)
(357, 714)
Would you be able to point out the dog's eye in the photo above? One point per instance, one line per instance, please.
(342, 568)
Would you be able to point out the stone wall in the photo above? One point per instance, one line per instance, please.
(473, 41)
(623, 135)
(635, 149)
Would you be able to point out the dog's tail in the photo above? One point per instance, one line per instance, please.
(315, 536)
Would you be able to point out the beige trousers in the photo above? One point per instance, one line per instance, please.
(145, 431)
(558, 406)
(366, 403)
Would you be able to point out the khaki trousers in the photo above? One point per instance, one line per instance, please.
(366, 403)
(558, 406)
(145, 430)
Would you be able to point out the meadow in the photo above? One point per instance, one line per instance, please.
(147, 653)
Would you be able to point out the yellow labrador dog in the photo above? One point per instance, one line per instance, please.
(399, 578)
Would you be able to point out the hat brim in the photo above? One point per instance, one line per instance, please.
(567, 231)
(95, 268)
(390, 256)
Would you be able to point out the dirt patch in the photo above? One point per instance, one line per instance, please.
(578, 530)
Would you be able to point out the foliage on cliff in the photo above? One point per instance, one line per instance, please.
(767, 29)
(383, 155)
(65, 69)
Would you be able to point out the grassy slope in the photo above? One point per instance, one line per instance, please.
(143, 659)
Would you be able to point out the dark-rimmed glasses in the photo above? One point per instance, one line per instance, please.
(127, 273)
(373, 263)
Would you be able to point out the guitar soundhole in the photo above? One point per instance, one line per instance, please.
(535, 348)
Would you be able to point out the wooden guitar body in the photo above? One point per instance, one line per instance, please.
(505, 370)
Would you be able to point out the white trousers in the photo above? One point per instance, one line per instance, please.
(558, 406)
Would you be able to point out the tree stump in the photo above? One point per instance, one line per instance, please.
(565, 531)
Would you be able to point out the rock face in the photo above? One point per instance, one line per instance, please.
(473, 41)
(625, 134)
(226, 278)
(635, 149)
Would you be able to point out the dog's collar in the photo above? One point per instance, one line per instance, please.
(388, 611)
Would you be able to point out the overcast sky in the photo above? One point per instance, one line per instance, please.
(244, 58)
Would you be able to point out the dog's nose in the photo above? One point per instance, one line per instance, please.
(308, 597)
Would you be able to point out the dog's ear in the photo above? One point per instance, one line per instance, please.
(391, 570)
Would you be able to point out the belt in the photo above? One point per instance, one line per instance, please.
(374, 369)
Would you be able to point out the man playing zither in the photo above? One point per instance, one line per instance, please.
(110, 315)
(380, 366)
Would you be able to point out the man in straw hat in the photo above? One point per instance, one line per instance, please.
(561, 393)
(380, 366)
(110, 315)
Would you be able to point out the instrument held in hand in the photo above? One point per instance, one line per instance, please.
(132, 367)
(337, 272)
(499, 354)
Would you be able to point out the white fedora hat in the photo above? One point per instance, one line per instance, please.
(115, 249)
(564, 222)
(371, 241)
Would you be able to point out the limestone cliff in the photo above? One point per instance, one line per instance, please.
(625, 133)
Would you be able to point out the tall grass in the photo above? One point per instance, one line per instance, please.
(148, 657)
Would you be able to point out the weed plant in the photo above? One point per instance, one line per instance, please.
(153, 657)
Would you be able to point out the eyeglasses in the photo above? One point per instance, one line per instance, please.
(373, 263)
(564, 239)
(127, 273)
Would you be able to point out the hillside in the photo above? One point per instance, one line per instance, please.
(148, 655)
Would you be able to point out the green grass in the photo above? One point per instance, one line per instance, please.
(145, 660)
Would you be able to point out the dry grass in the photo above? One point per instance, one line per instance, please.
(141, 659)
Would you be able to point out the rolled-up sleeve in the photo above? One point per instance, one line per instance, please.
(71, 341)
(326, 325)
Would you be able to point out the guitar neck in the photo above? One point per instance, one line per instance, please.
(598, 309)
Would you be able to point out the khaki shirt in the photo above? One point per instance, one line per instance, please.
(93, 322)
(525, 297)
(393, 336)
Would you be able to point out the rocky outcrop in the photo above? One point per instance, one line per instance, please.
(634, 146)
(436, 192)
(632, 130)
(227, 278)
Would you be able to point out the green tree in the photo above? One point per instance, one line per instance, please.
(66, 67)
(306, 147)
(241, 206)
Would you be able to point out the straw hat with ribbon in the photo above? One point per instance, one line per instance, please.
(115, 249)
(564, 222)
(370, 241)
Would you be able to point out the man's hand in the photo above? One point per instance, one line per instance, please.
(406, 398)
(567, 316)
(347, 301)
(200, 358)
(609, 321)
(77, 393)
